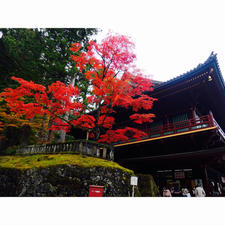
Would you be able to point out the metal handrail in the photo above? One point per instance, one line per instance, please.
(219, 128)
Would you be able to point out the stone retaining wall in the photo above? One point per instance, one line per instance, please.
(63, 181)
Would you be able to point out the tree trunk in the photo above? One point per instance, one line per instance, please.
(97, 129)
(62, 134)
(97, 133)
(49, 134)
(41, 133)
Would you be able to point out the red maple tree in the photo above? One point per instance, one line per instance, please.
(114, 82)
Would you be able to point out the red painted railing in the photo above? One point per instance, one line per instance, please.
(184, 126)
(181, 126)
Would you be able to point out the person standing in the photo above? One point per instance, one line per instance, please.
(199, 191)
(167, 193)
(186, 193)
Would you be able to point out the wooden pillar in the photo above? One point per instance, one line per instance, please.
(193, 113)
(166, 120)
(205, 179)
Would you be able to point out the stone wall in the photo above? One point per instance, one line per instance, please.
(63, 180)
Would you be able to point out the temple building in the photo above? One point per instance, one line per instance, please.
(185, 144)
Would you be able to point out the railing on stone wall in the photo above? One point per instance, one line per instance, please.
(81, 147)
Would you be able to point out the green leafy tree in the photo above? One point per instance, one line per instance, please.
(43, 56)
(20, 51)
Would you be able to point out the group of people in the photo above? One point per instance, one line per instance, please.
(198, 191)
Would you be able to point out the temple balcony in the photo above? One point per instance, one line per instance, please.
(203, 123)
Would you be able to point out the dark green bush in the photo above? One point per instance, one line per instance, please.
(147, 186)
(10, 150)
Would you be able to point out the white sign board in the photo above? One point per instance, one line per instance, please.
(133, 180)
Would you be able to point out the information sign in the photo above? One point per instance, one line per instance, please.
(134, 180)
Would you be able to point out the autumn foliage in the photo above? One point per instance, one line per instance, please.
(114, 82)
(30, 99)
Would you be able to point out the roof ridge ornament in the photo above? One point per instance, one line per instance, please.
(212, 56)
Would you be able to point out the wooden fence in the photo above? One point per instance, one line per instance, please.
(81, 147)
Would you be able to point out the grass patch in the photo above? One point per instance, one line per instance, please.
(47, 160)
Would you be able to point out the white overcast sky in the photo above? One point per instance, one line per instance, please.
(171, 37)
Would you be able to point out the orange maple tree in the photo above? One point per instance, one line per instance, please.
(114, 82)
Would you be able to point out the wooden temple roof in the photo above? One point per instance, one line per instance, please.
(210, 62)
(205, 80)
(176, 94)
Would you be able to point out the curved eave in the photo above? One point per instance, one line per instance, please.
(219, 74)
(211, 61)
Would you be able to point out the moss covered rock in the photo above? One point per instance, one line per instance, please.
(61, 175)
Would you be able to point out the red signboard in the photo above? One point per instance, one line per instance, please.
(95, 191)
